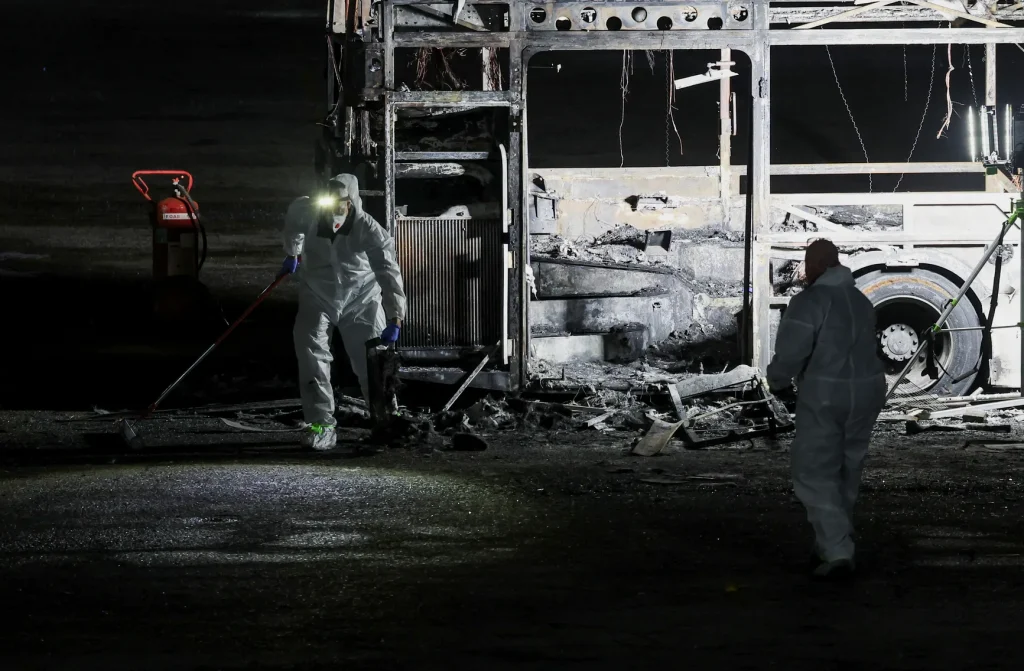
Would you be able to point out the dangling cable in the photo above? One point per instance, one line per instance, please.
(927, 103)
(949, 100)
(627, 64)
(670, 99)
(970, 71)
(905, 77)
(871, 181)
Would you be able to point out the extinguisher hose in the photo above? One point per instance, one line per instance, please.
(198, 225)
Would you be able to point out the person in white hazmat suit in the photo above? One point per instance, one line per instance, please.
(349, 279)
(827, 343)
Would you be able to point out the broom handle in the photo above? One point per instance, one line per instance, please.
(217, 342)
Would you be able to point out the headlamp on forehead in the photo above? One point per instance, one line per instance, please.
(326, 201)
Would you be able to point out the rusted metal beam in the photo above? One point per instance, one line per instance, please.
(906, 14)
(428, 170)
(441, 155)
(432, 11)
(742, 40)
(451, 98)
(583, 41)
(871, 238)
(846, 15)
(908, 36)
(451, 39)
(820, 222)
(922, 168)
(959, 14)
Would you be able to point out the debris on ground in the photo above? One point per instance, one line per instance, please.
(704, 384)
(993, 446)
(916, 427)
(468, 442)
(657, 438)
(709, 480)
(256, 429)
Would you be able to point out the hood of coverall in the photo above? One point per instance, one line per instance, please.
(836, 276)
(819, 257)
(346, 186)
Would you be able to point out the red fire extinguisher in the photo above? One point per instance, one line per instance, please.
(177, 230)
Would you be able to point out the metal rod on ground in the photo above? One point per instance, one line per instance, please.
(469, 378)
(759, 401)
(1018, 210)
(953, 412)
(219, 340)
(962, 399)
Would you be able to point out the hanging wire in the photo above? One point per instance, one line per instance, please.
(905, 76)
(871, 181)
(970, 70)
(668, 106)
(670, 95)
(949, 100)
(627, 64)
(337, 78)
(927, 103)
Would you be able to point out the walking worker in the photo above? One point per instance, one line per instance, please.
(349, 280)
(827, 343)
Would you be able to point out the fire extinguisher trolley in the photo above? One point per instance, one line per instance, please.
(177, 230)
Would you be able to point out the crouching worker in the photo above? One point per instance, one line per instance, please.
(827, 343)
(348, 280)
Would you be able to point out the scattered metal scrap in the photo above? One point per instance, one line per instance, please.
(984, 408)
(776, 418)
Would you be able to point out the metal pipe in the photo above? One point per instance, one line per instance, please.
(978, 328)
(724, 135)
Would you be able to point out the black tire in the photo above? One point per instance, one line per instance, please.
(917, 296)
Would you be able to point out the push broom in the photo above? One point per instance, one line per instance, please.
(127, 429)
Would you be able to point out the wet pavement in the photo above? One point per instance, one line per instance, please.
(544, 552)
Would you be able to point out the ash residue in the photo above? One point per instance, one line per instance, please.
(692, 351)
(855, 217)
(624, 244)
(787, 277)
(707, 235)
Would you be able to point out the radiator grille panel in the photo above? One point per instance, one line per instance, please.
(452, 272)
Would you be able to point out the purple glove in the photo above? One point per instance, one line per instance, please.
(390, 334)
(290, 265)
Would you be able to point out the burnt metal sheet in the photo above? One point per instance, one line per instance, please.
(566, 278)
(452, 270)
(494, 380)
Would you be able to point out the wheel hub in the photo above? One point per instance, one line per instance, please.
(899, 342)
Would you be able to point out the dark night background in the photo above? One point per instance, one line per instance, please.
(563, 553)
(233, 92)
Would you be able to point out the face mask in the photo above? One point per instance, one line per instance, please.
(340, 215)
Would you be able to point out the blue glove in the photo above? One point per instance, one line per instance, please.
(290, 265)
(390, 334)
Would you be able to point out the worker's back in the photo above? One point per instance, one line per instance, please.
(846, 345)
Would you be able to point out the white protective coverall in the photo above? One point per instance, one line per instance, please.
(344, 278)
(827, 341)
